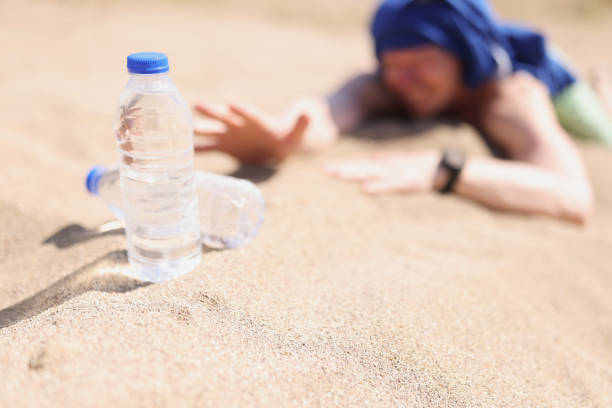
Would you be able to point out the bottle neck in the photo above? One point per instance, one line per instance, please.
(150, 82)
(149, 77)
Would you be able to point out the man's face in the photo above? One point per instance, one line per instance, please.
(426, 79)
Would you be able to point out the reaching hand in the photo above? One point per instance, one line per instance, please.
(384, 173)
(248, 135)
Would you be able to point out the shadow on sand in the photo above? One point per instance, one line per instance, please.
(100, 275)
(385, 129)
(75, 233)
(389, 129)
(255, 174)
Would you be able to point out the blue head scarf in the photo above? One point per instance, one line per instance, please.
(468, 29)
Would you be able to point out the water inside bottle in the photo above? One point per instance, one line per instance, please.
(155, 142)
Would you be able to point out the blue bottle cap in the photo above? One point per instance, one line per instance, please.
(147, 63)
(93, 178)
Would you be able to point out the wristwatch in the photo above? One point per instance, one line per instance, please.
(451, 163)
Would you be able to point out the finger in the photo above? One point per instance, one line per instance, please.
(358, 170)
(203, 132)
(299, 127)
(293, 139)
(213, 113)
(209, 127)
(244, 112)
(381, 187)
(206, 147)
(385, 154)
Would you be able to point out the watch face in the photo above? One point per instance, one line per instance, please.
(454, 159)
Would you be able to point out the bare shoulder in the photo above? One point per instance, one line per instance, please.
(517, 114)
(519, 86)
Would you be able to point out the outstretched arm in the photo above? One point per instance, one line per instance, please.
(310, 123)
(520, 187)
(544, 176)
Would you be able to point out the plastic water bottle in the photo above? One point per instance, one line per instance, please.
(154, 134)
(231, 209)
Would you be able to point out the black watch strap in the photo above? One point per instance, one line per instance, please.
(452, 161)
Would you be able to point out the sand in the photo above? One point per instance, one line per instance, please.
(343, 299)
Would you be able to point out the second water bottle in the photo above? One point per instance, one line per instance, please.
(231, 209)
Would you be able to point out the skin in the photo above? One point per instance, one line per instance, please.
(425, 80)
(544, 174)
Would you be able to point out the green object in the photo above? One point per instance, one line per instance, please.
(582, 114)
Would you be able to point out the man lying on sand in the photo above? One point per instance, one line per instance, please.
(446, 58)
